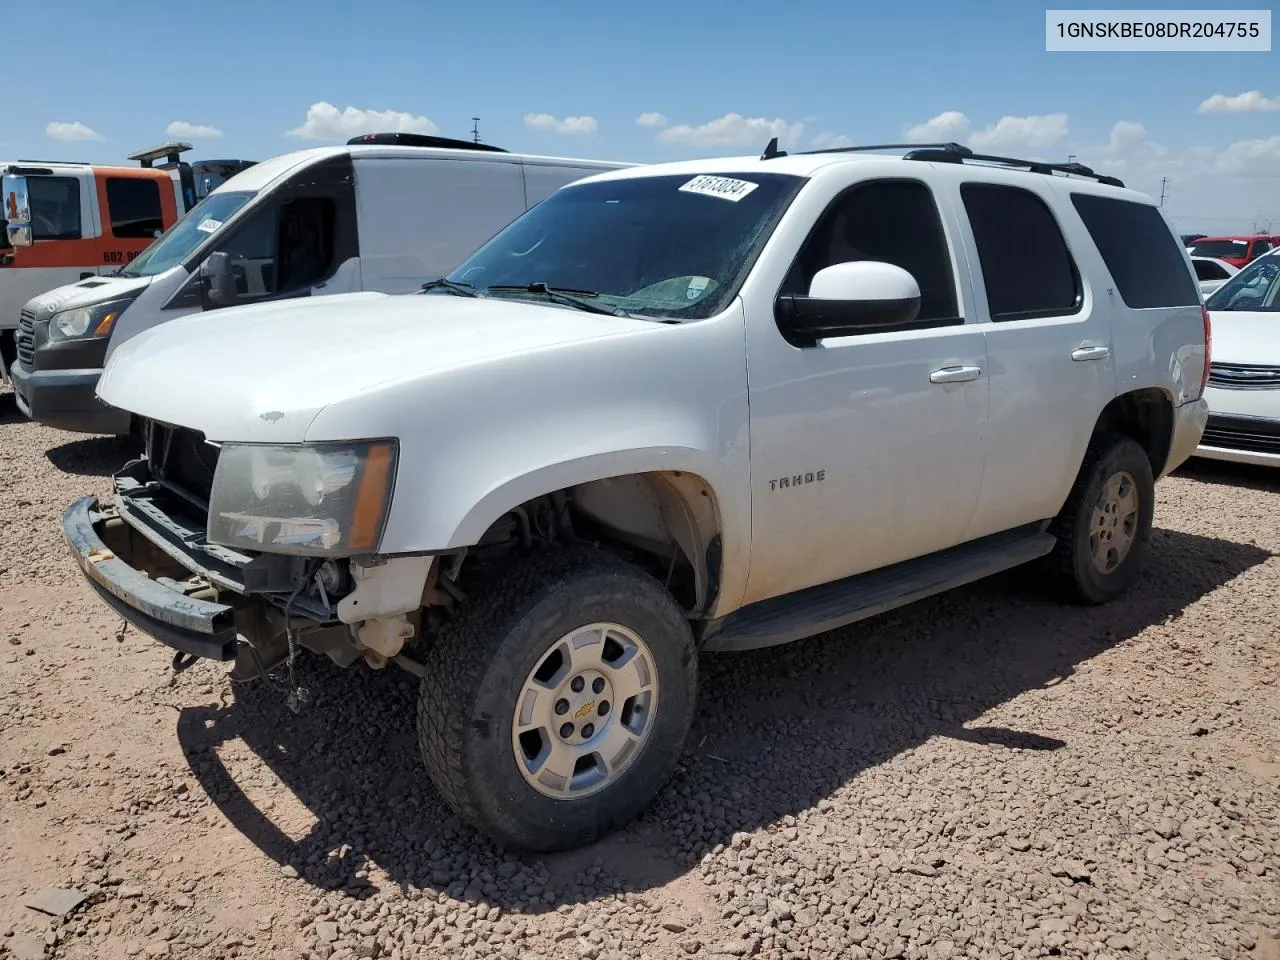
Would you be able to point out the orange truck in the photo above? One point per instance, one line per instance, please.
(62, 222)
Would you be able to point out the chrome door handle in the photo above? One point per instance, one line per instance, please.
(955, 374)
(1097, 352)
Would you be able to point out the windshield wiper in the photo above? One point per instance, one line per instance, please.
(569, 296)
(461, 289)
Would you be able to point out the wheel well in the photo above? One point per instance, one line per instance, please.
(667, 521)
(1146, 416)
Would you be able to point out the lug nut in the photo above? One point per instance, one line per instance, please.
(562, 706)
(588, 731)
(566, 731)
(603, 708)
(597, 685)
(577, 684)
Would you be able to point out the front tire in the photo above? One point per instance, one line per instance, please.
(1105, 526)
(555, 704)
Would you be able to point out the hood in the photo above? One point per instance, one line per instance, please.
(85, 293)
(263, 373)
(1244, 336)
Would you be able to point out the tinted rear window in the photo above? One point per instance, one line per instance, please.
(1221, 248)
(1144, 257)
(134, 207)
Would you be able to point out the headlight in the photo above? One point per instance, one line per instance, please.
(95, 321)
(318, 500)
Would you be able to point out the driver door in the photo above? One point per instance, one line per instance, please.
(866, 448)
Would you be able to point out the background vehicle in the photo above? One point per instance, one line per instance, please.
(712, 405)
(1189, 238)
(61, 222)
(1211, 273)
(1237, 250)
(383, 213)
(1244, 380)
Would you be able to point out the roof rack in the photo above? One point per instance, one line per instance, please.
(955, 153)
(170, 151)
(421, 140)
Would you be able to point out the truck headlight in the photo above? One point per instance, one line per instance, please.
(94, 321)
(322, 500)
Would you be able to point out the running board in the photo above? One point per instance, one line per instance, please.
(832, 605)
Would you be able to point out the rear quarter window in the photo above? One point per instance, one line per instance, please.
(1143, 256)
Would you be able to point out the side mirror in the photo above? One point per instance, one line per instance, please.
(17, 210)
(218, 281)
(865, 296)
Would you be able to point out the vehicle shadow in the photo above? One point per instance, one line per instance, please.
(776, 732)
(1225, 473)
(93, 456)
(9, 412)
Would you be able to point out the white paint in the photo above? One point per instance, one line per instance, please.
(494, 402)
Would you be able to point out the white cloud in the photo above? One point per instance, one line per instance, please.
(733, 130)
(545, 121)
(829, 141)
(947, 126)
(196, 131)
(1022, 133)
(651, 120)
(1218, 190)
(326, 122)
(76, 130)
(1240, 103)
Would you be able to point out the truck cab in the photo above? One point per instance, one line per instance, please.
(65, 222)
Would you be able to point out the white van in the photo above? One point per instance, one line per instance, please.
(384, 213)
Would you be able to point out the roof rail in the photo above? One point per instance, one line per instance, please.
(170, 151)
(956, 153)
(421, 140)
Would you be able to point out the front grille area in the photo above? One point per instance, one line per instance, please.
(1244, 376)
(26, 337)
(181, 460)
(1246, 434)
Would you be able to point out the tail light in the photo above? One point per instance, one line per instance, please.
(1208, 347)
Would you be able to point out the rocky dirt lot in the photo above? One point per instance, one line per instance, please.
(987, 774)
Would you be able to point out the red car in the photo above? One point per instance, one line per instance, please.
(1237, 250)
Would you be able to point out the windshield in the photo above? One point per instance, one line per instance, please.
(1221, 248)
(173, 246)
(669, 246)
(1255, 288)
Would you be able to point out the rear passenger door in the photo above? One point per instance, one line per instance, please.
(1049, 347)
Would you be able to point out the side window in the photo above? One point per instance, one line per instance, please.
(134, 208)
(1026, 266)
(1208, 270)
(892, 221)
(55, 208)
(283, 248)
(1261, 247)
(1140, 252)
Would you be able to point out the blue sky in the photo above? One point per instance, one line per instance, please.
(252, 70)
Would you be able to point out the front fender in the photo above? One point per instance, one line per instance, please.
(480, 439)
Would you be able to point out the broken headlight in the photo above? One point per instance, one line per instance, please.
(321, 500)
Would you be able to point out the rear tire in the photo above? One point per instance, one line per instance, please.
(1104, 528)
(492, 676)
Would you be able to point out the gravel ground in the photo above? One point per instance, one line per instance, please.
(986, 774)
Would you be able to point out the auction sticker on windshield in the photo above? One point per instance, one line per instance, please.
(208, 226)
(726, 188)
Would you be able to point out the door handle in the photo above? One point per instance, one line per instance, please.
(955, 374)
(1097, 352)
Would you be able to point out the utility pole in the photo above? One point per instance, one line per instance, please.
(1071, 158)
(1163, 182)
(475, 129)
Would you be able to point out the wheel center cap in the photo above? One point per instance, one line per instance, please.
(586, 699)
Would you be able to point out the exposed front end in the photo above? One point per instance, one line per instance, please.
(147, 553)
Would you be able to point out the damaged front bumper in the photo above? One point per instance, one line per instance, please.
(158, 607)
(146, 554)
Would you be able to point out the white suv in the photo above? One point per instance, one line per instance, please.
(713, 405)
